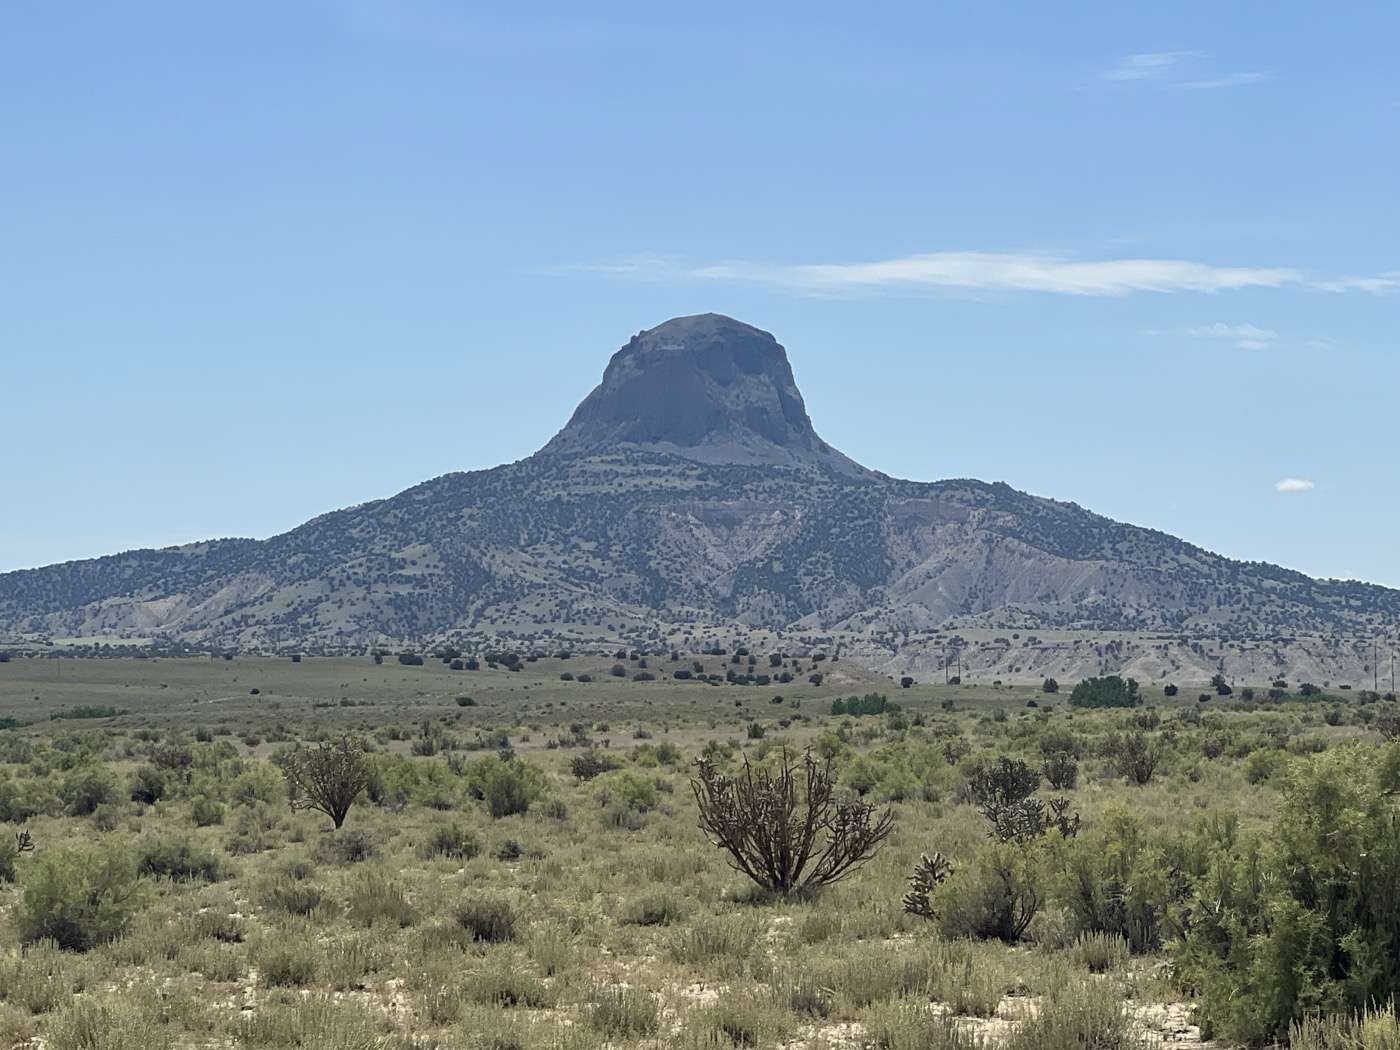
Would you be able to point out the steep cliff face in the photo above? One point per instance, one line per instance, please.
(689, 487)
(708, 388)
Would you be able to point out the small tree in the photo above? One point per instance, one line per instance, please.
(1109, 691)
(327, 778)
(1050, 686)
(783, 826)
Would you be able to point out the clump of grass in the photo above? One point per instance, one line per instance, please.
(487, 919)
(347, 960)
(217, 924)
(818, 926)
(38, 979)
(508, 986)
(1100, 952)
(718, 938)
(969, 978)
(653, 909)
(909, 1024)
(85, 1024)
(803, 992)
(868, 973)
(287, 967)
(292, 897)
(622, 1013)
(738, 1020)
(374, 897)
(310, 1023)
(214, 961)
(1376, 1030)
(1077, 1015)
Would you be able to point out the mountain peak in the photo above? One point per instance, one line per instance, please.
(706, 387)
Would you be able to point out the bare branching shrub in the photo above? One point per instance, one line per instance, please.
(1061, 770)
(1136, 755)
(784, 826)
(327, 778)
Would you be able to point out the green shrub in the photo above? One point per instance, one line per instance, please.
(507, 786)
(86, 788)
(591, 762)
(1263, 764)
(78, 897)
(996, 896)
(148, 785)
(869, 704)
(1110, 691)
(1304, 920)
(346, 847)
(179, 860)
(205, 812)
(450, 840)
(626, 790)
(22, 799)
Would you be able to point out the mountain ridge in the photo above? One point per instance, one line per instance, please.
(688, 488)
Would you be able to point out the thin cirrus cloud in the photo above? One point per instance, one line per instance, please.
(968, 271)
(1377, 284)
(1292, 485)
(1150, 65)
(982, 271)
(1244, 336)
(1178, 69)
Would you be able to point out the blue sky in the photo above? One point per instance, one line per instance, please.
(265, 260)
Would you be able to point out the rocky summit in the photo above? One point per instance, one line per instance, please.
(708, 388)
(688, 492)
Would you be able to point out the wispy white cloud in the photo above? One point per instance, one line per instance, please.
(983, 271)
(1293, 485)
(1179, 69)
(1227, 81)
(1244, 336)
(1377, 284)
(1151, 65)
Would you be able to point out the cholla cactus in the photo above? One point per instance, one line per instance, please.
(783, 825)
(23, 843)
(1062, 819)
(929, 874)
